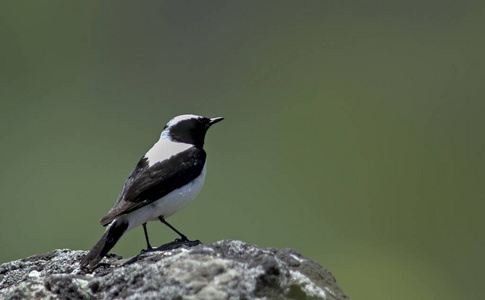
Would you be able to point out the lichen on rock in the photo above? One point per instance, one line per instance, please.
(223, 270)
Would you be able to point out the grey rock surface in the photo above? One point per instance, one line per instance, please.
(223, 270)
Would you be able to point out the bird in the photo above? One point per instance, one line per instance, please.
(167, 178)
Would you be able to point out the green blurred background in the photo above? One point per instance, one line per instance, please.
(353, 131)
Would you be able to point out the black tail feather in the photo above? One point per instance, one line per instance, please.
(114, 232)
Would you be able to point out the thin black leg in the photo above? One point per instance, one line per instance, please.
(146, 236)
(184, 238)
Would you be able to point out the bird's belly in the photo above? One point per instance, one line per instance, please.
(178, 198)
(168, 204)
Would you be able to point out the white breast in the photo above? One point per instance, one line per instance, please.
(167, 205)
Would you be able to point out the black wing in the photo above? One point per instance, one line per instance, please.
(148, 184)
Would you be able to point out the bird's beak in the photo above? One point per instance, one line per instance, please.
(215, 120)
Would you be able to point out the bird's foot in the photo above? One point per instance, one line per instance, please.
(178, 243)
(182, 239)
(148, 249)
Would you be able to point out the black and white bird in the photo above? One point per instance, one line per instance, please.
(167, 178)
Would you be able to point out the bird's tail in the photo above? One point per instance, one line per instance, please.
(113, 233)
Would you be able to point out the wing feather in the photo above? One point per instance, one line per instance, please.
(147, 184)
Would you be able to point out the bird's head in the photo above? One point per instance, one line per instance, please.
(190, 129)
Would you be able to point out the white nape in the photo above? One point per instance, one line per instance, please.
(164, 149)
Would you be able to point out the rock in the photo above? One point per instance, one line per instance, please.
(222, 270)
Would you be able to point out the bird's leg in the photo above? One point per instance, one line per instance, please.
(183, 242)
(149, 247)
(183, 237)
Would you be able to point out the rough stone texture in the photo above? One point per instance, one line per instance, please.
(222, 270)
